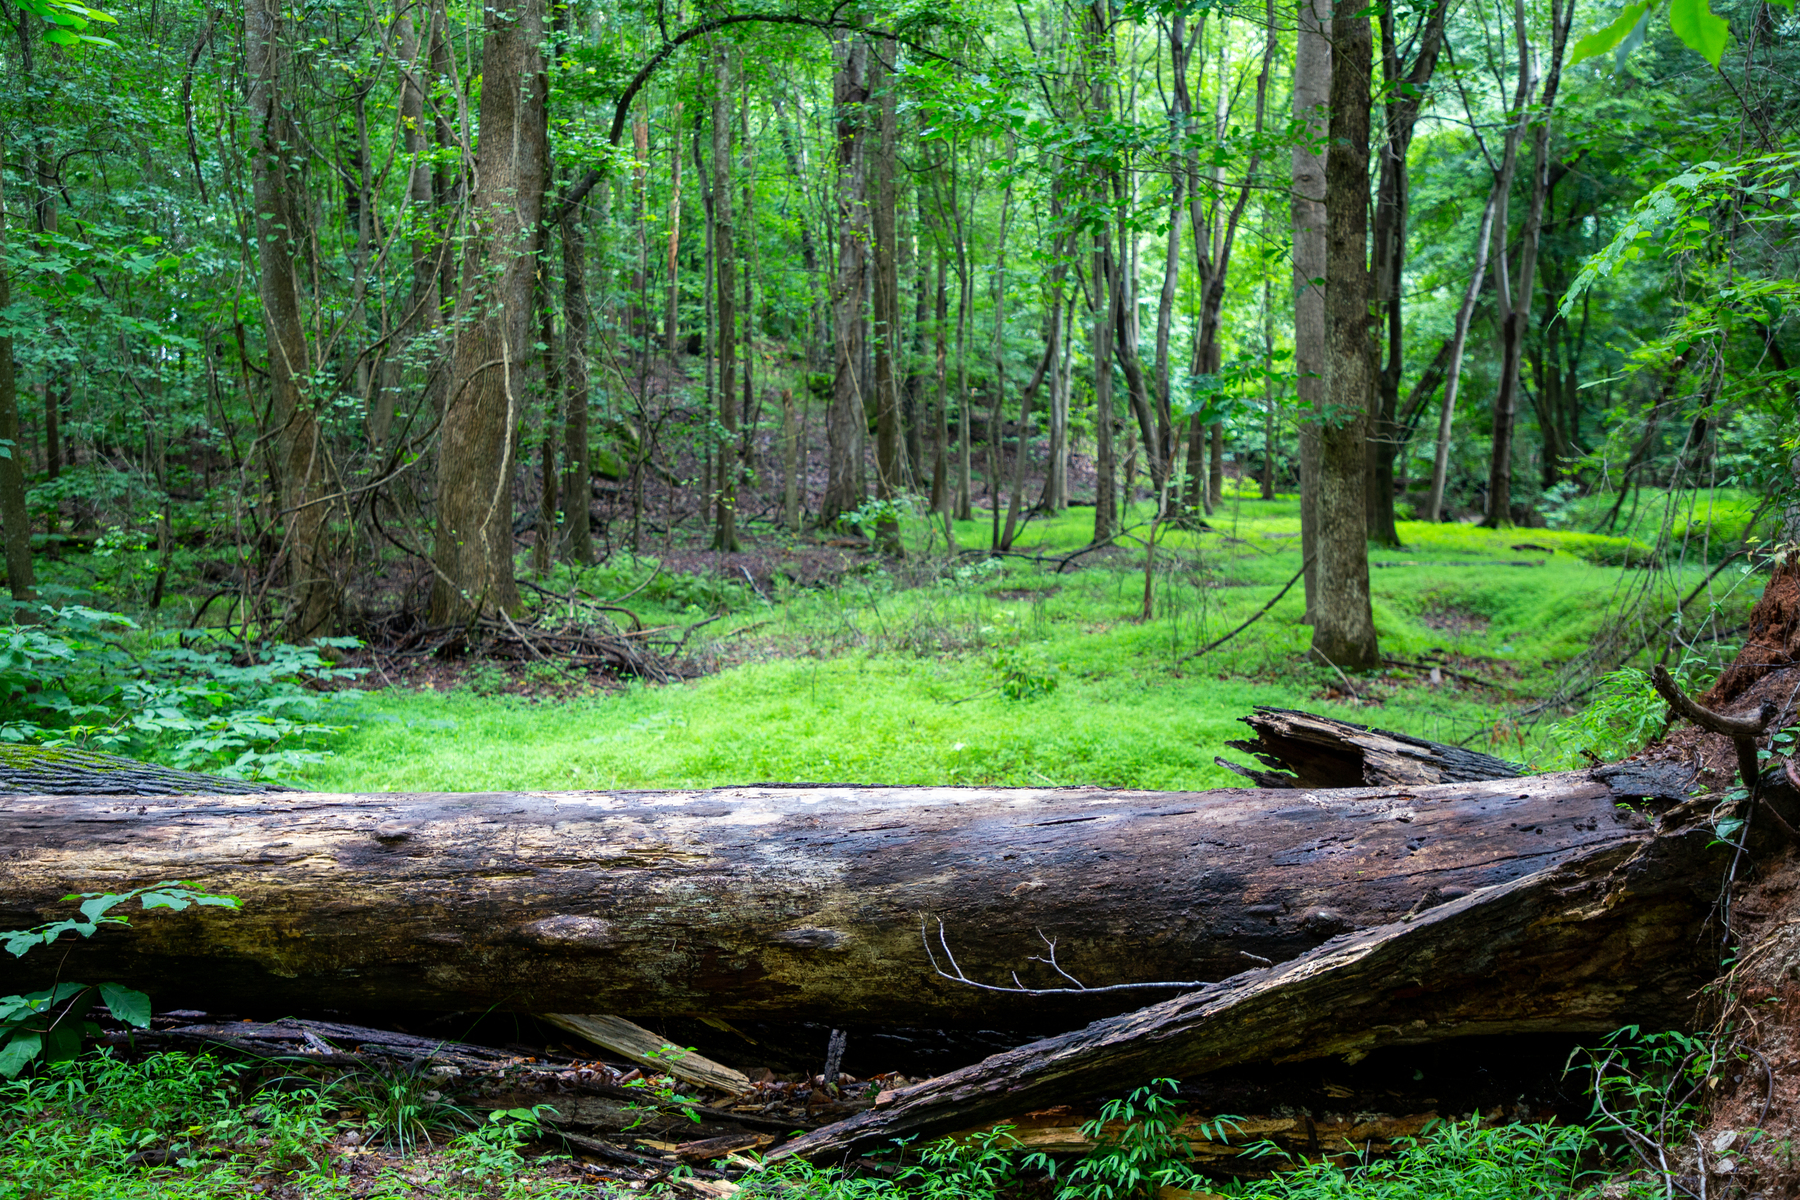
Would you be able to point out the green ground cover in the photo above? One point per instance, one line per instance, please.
(1026, 671)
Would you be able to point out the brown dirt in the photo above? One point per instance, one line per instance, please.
(1774, 640)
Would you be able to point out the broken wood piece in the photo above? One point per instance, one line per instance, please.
(1308, 750)
(708, 1149)
(1609, 937)
(800, 903)
(1301, 1138)
(641, 1046)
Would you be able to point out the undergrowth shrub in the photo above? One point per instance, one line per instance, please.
(74, 677)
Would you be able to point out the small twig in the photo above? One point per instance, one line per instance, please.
(751, 580)
(1443, 670)
(1257, 616)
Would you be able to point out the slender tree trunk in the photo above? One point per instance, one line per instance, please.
(292, 411)
(1108, 282)
(1312, 85)
(543, 546)
(578, 487)
(474, 552)
(672, 297)
(846, 419)
(725, 272)
(1516, 306)
(1344, 627)
(15, 524)
(1406, 94)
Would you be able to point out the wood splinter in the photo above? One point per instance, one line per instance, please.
(1743, 732)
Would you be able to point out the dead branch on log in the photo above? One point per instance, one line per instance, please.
(66, 771)
(955, 974)
(1743, 732)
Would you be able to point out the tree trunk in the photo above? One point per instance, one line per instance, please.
(292, 412)
(672, 297)
(1612, 936)
(13, 516)
(578, 487)
(1406, 97)
(845, 420)
(1344, 620)
(885, 308)
(739, 902)
(474, 551)
(1515, 306)
(1312, 86)
(725, 273)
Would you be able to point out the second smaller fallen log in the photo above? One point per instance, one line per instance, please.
(1304, 749)
(646, 1049)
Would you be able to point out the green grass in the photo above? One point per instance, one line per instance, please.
(902, 678)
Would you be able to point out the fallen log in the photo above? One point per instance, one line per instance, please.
(1612, 936)
(801, 902)
(1307, 750)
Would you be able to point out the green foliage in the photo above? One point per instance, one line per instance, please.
(1143, 1156)
(1453, 1159)
(72, 677)
(51, 1024)
(1623, 716)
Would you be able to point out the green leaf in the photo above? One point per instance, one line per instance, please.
(20, 1050)
(1602, 40)
(1705, 32)
(131, 1007)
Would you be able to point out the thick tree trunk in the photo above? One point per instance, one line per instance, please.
(802, 902)
(578, 486)
(1615, 935)
(495, 329)
(1343, 617)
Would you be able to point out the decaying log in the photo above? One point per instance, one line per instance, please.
(66, 771)
(1307, 750)
(801, 902)
(1612, 936)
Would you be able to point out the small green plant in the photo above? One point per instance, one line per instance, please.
(1623, 716)
(401, 1107)
(51, 1024)
(1649, 1089)
(1021, 673)
(1143, 1156)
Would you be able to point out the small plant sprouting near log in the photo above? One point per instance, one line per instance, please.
(1144, 1156)
(51, 1024)
(1649, 1089)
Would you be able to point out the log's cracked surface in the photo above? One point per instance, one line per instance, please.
(801, 902)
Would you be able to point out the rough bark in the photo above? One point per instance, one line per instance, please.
(845, 419)
(885, 306)
(578, 485)
(1343, 617)
(803, 902)
(1312, 86)
(495, 329)
(1613, 936)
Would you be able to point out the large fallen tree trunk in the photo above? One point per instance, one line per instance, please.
(794, 902)
(1613, 936)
